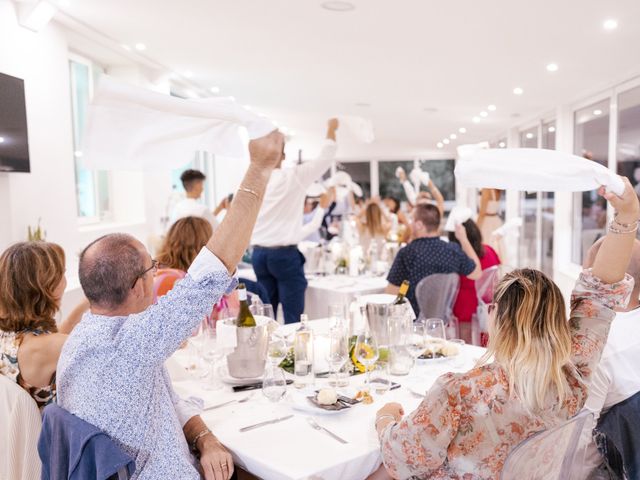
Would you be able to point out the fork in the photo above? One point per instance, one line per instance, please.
(318, 427)
(242, 400)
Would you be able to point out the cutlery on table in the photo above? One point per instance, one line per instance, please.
(316, 426)
(268, 422)
(253, 386)
(242, 400)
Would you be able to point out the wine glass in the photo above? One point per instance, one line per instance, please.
(338, 351)
(210, 354)
(274, 383)
(434, 329)
(416, 340)
(276, 350)
(367, 354)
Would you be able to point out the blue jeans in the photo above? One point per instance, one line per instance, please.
(281, 272)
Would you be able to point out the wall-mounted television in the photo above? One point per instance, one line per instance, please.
(14, 141)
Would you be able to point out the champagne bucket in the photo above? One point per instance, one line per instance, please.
(250, 353)
(385, 319)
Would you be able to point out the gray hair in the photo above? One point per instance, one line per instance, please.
(108, 268)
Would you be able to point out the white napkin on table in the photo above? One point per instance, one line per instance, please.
(132, 128)
(533, 170)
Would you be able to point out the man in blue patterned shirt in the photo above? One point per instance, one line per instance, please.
(111, 371)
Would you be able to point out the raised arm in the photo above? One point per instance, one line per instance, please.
(484, 203)
(437, 196)
(234, 233)
(461, 235)
(309, 172)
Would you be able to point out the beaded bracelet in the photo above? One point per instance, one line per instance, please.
(614, 229)
(194, 441)
(625, 225)
(248, 190)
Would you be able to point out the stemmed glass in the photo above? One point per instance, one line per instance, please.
(434, 329)
(367, 354)
(211, 353)
(338, 351)
(416, 340)
(276, 350)
(274, 383)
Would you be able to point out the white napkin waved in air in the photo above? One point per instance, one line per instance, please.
(132, 128)
(532, 170)
(344, 184)
(360, 128)
(511, 225)
(418, 176)
(457, 216)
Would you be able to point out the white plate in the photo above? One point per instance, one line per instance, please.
(223, 374)
(301, 403)
(432, 361)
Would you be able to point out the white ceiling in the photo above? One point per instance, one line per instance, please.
(299, 63)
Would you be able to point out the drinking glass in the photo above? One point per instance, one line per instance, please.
(338, 352)
(276, 350)
(367, 354)
(416, 340)
(458, 360)
(381, 382)
(194, 344)
(267, 311)
(274, 383)
(337, 314)
(434, 329)
(210, 355)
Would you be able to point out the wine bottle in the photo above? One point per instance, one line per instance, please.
(303, 354)
(404, 288)
(245, 318)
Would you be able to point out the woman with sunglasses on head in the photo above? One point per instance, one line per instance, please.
(32, 281)
(542, 364)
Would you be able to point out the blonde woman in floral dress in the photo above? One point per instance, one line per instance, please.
(469, 422)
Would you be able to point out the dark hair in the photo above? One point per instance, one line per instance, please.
(109, 269)
(396, 203)
(189, 177)
(30, 272)
(474, 235)
(429, 215)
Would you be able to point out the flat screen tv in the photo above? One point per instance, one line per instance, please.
(14, 142)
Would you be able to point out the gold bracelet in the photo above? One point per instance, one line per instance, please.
(613, 229)
(195, 439)
(248, 190)
(624, 225)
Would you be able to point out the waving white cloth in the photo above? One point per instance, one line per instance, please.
(132, 128)
(511, 225)
(344, 184)
(360, 128)
(533, 170)
(458, 216)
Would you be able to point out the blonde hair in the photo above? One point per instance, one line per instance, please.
(530, 339)
(373, 216)
(30, 272)
(183, 242)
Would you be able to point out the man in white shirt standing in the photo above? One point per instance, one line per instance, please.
(193, 183)
(277, 262)
(618, 376)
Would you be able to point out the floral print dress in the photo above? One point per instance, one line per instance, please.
(467, 424)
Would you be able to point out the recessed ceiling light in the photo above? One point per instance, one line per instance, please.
(336, 6)
(491, 108)
(552, 67)
(141, 47)
(188, 74)
(597, 112)
(610, 24)
(483, 114)
(1, 139)
(363, 104)
(440, 144)
(453, 136)
(214, 89)
(502, 144)
(518, 91)
(529, 135)
(462, 130)
(552, 129)
(445, 141)
(126, 47)
(475, 119)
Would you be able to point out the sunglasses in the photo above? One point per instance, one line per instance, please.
(154, 267)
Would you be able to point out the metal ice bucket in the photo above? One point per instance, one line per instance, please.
(250, 354)
(381, 316)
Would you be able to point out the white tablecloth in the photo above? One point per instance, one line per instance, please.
(292, 450)
(331, 289)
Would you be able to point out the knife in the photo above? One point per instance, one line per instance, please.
(252, 386)
(268, 422)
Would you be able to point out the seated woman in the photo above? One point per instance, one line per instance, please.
(468, 423)
(393, 205)
(467, 301)
(32, 281)
(181, 246)
(373, 226)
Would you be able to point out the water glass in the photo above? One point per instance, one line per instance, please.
(458, 360)
(416, 340)
(337, 315)
(274, 384)
(381, 382)
(435, 331)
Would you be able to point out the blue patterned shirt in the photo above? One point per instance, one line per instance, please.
(111, 371)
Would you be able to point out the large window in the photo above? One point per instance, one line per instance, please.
(591, 140)
(360, 173)
(529, 211)
(92, 187)
(628, 147)
(547, 213)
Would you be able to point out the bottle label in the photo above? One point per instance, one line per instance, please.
(242, 294)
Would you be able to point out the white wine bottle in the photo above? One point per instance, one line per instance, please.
(402, 293)
(245, 318)
(303, 354)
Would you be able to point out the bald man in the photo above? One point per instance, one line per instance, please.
(618, 376)
(111, 370)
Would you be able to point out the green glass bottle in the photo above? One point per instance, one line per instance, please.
(404, 288)
(245, 318)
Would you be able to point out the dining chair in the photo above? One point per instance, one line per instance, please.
(436, 295)
(554, 454)
(485, 286)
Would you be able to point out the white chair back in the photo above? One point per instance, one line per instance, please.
(20, 425)
(436, 295)
(551, 454)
